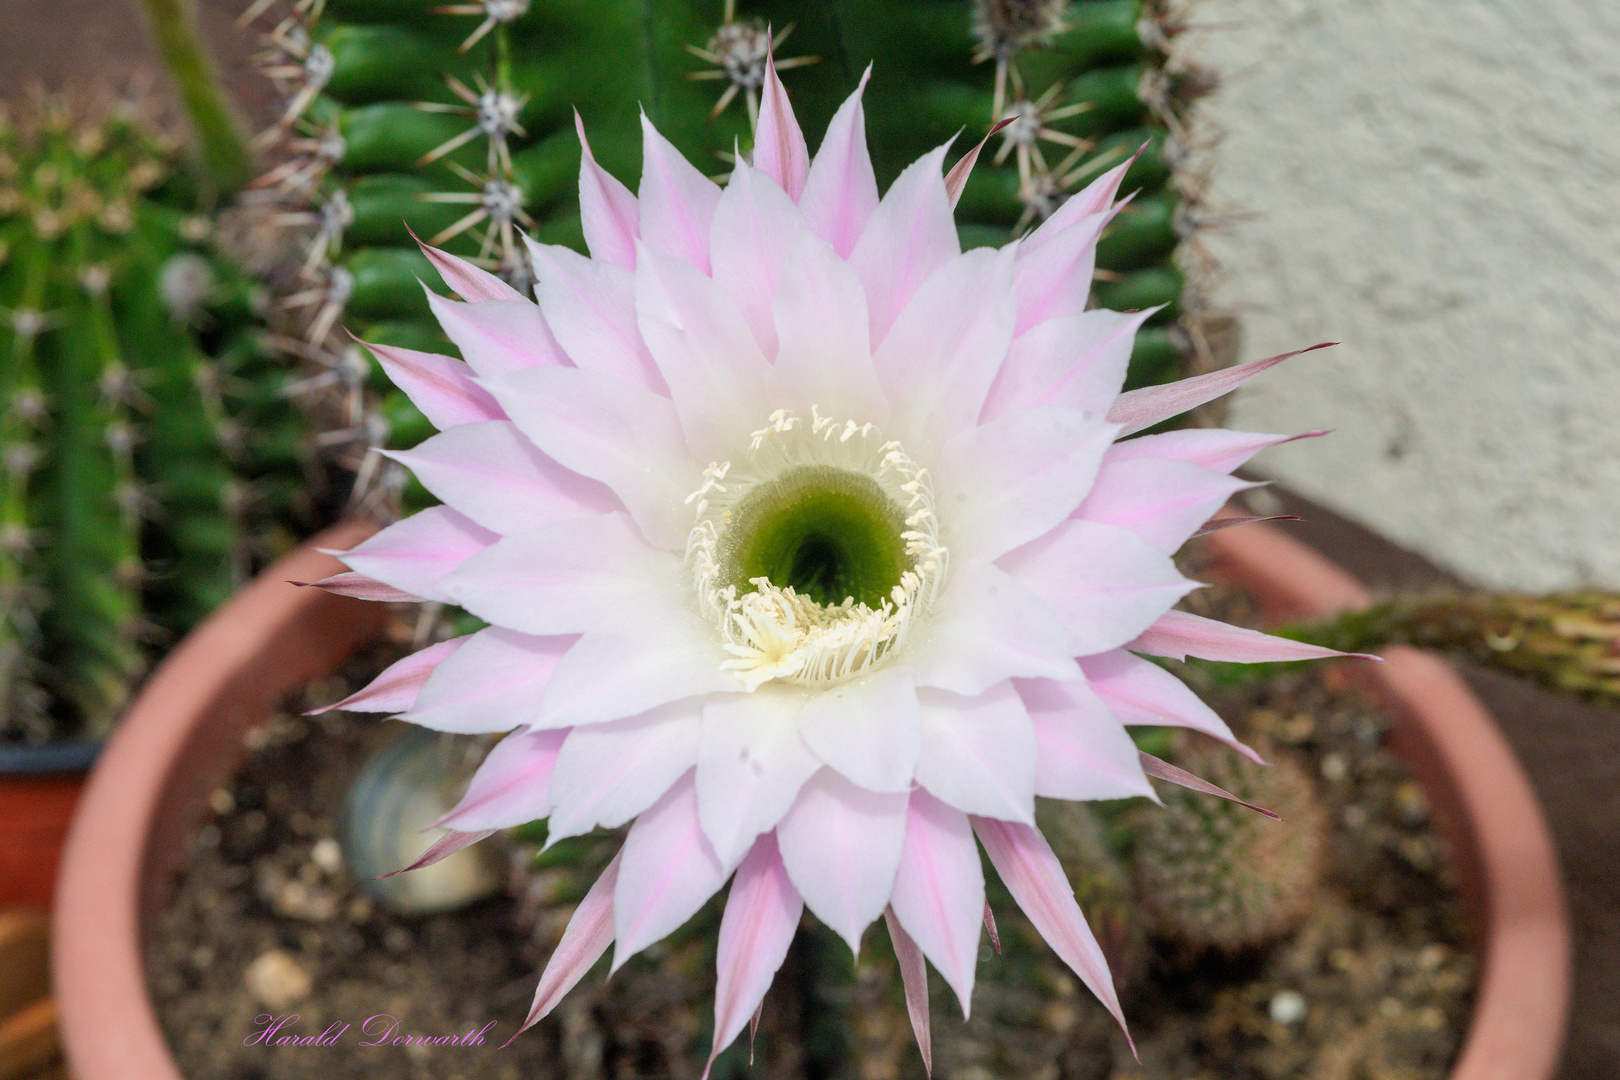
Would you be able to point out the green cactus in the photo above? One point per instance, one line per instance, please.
(457, 122)
(145, 446)
(1214, 875)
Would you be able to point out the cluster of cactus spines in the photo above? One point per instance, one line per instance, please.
(140, 470)
(1214, 875)
(456, 122)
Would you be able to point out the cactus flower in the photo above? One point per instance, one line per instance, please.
(813, 550)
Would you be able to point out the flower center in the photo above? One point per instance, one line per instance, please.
(814, 553)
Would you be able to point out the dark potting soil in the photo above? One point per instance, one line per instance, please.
(265, 921)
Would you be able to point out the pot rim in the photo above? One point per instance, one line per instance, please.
(148, 787)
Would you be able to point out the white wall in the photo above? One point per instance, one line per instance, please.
(1436, 184)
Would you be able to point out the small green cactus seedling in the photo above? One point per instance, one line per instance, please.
(145, 453)
(1216, 875)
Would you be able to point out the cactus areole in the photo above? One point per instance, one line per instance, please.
(810, 549)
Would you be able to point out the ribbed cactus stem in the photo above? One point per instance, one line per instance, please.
(222, 149)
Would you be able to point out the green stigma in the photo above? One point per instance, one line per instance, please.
(827, 533)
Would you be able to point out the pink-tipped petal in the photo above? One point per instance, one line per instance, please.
(914, 978)
(646, 654)
(490, 684)
(607, 210)
(910, 235)
(1142, 693)
(608, 773)
(396, 689)
(1105, 584)
(561, 578)
(841, 846)
(497, 337)
(498, 478)
(840, 191)
(956, 180)
(1181, 634)
(414, 555)
(779, 149)
(762, 913)
(823, 348)
(677, 202)
(1216, 524)
(1094, 198)
(442, 848)
(623, 436)
(469, 282)
(987, 628)
(978, 754)
(1082, 750)
(1073, 362)
(591, 308)
(751, 764)
(589, 933)
(1138, 409)
(669, 871)
(866, 729)
(1055, 281)
(1211, 448)
(939, 891)
(1032, 873)
(441, 386)
(1163, 502)
(754, 228)
(511, 787)
(1163, 770)
(360, 587)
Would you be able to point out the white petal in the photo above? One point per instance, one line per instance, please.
(1163, 502)
(511, 787)
(1139, 692)
(754, 226)
(493, 686)
(417, 553)
(1211, 448)
(497, 337)
(841, 191)
(824, 353)
(1055, 280)
(985, 629)
(1095, 197)
(762, 914)
(668, 872)
(608, 212)
(1082, 750)
(677, 202)
(866, 729)
(939, 891)
(1075, 362)
(442, 387)
(841, 846)
(751, 764)
(909, 236)
(606, 774)
(978, 753)
(591, 307)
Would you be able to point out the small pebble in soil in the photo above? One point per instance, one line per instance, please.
(277, 980)
(1333, 768)
(1288, 1007)
(327, 855)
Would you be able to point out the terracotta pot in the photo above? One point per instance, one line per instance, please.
(39, 786)
(183, 736)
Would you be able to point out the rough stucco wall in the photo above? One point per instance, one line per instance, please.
(1436, 184)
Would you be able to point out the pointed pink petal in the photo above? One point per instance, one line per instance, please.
(1211, 448)
(1216, 524)
(628, 438)
(909, 236)
(511, 787)
(1094, 198)
(591, 308)
(1163, 770)
(1055, 280)
(978, 754)
(470, 283)
(395, 690)
(562, 577)
(608, 773)
(1015, 478)
(957, 178)
(1074, 362)
(492, 683)
(990, 928)
(1082, 750)
(441, 386)
(706, 353)
(914, 977)
(1138, 409)
(779, 149)
(754, 227)
(607, 210)
(751, 765)
(677, 202)
(841, 846)
(939, 891)
(762, 913)
(361, 588)
(938, 362)
(442, 848)
(589, 934)
(639, 657)
(987, 627)
(1181, 634)
(1142, 693)
(501, 480)
(497, 336)
(824, 350)
(415, 554)
(1163, 502)
(669, 872)
(866, 729)
(840, 191)
(1105, 584)
(1033, 875)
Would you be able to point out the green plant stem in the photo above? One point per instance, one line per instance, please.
(223, 156)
